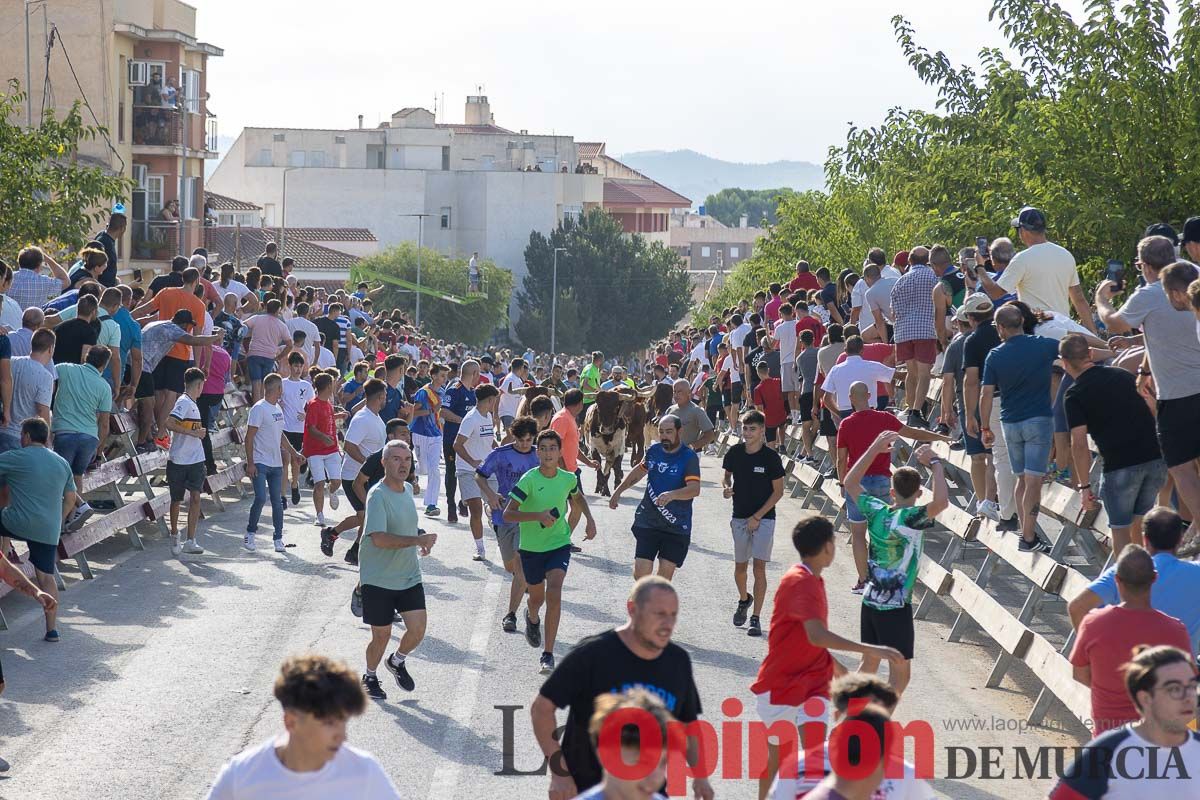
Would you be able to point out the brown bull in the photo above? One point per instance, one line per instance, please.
(656, 406)
(604, 427)
(531, 394)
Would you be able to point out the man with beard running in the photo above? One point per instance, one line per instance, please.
(458, 399)
(662, 524)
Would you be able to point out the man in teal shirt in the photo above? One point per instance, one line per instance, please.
(389, 571)
(35, 476)
(81, 409)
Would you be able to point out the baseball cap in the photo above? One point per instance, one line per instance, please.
(1031, 219)
(974, 303)
(1162, 229)
(183, 317)
(901, 259)
(1191, 230)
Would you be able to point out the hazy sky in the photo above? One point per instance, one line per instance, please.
(743, 81)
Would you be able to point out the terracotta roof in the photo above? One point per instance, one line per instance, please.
(457, 128)
(641, 193)
(254, 242)
(319, 283)
(222, 203)
(590, 149)
(325, 234)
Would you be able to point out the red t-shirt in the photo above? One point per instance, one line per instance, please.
(880, 353)
(811, 323)
(805, 281)
(661, 360)
(859, 430)
(318, 414)
(1104, 642)
(795, 669)
(768, 396)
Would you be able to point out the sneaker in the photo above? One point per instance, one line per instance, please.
(284, 501)
(915, 419)
(351, 556)
(356, 602)
(452, 516)
(858, 587)
(328, 537)
(432, 511)
(373, 689)
(1036, 546)
(462, 508)
(295, 495)
(990, 509)
(755, 628)
(192, 549)
(177, 544)
(480, 554)
(163, 442)
(942, 428)
(333, 500)
(82, 513)
(533, 632)
(1009, 525)
(739, 616)
(248, 542)
(509, 623)
(321, 520)
(51, 636)
(402, 677)
(546, 664)
(280, 546)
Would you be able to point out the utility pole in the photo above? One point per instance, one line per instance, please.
(554, 303)
(420, 242)
(28, 74)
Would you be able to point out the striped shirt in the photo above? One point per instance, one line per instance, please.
(912, 304)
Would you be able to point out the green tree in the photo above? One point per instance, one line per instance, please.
(616, 293)
(1096, 122)
(48, 196)
(728, 205)
(472, 323)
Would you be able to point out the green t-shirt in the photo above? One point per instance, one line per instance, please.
(535, 492)
(894, 540)
(82, 393)
(37, 478)
(589, 382)
(395, 513)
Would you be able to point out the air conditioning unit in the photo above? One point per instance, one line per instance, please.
(139, 175)
(139, 73)
(280, 137)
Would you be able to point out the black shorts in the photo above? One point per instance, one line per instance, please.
(714, 413)
(1178, 433)
(806, 401)
(184, 478)
(348, 490)
(735, 394)
(145, 387)
(826, 426)
(772, 434)
(889, 628)
(653, 543)
(168, 375)
(44, 557)
(380, 605)
(296, 440)
(881, 402)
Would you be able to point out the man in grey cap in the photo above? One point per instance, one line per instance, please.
(1044, 274)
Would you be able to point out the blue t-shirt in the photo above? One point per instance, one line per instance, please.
(713, 343)
(507, 465)
(391, 407)
(1174, 592)
(131, 335)
(427, 425)
(1020, 369)
(355, 390)
(666, 472)
(64, 300)
(458, 399)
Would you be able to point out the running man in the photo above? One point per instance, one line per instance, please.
(542, 496)
(589, 383)
(366, 434)
(265, 451)
(426, 428)
(390, 572)
(457, 399)
(185, 461)
(475, 440)
(507, 464)
(662, 524)
(320, 445)
(297, 391)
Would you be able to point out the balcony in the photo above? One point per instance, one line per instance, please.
(158, 127)
(159, 240)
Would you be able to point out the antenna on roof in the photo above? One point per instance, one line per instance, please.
(435, 107)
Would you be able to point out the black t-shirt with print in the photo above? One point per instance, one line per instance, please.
(753, 476)
(602, 664)
(1106, 400)
(71, 336)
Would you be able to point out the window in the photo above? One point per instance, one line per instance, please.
(189, 203)
(339, 140)
(572, 212)
(269, 213)
(445, 216)
(264, 158)
(189, 85)
(138, 172)
(154, 196)
(280, 137)
(705, 252)
(296, 158)
(139, 73)
(733, 252)
(446, 164)
(316, 158)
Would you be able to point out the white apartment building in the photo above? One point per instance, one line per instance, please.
(482, 188)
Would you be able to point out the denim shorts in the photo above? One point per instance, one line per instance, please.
(77, 449)
(259, 367)
(972, 445)
(1029, 442)
(1132, 491)
(9, 442)
(875, 485)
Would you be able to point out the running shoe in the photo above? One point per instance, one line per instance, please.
(462, 508)
(328, 537)
(1036, 546)
(509, 623)
(373, 689)
(284, 501)
(279, 546)
(191, 548)
(432, 511)
(163, 442)
(452, 516)
(356, 602)
(1009, 525)
(295, 495)
(991, 510)
(546, 664)
(858, 587)
(177, 544)
(82, 514)
(321, 520)
(739, 616)
(401, 674)
(333, 500)
(480, 555)
(576, 548)
(755, 628)
(351, 556)
(533, 632)
(51, 636)
(248, 542)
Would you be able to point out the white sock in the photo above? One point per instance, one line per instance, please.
(479, 545)
(397, 658)
(371, 673)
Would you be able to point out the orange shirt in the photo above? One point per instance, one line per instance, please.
(167, 302)
(565, 426)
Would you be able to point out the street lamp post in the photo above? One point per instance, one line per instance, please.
(554, 302)
(283, 212)
(420, 238)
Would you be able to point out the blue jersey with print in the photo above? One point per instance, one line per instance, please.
(507, 465)
(666, 472)
(427, 425)
(457, 399)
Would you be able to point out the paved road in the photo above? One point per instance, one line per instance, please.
(165, 666)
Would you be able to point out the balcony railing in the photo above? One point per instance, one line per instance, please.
(158, 126)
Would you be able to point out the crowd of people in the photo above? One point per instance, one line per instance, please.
(352, 400)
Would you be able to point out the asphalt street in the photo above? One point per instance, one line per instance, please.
(165, 666)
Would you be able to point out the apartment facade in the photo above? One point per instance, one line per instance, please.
(459, 188)
(143, 73)
(641, 204)
(707, 244)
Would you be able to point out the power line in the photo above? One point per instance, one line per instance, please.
(82, 93)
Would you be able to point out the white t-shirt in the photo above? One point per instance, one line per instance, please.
(356, 354)
(480, 436)
(1042, 276)
(295, 395)
(312, 336)
(729, 364)
(889, 272)
(10, 313)
(699, 355)
(258, 774)
(849, 372)
(857, 294)
(235, 288)
(509, 402)
(738, 337)
(326, 358)
(369, 433)
(186, 449)
(268, 419)
(785, 334)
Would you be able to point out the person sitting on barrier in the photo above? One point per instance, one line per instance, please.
(36, 478)
(1107, 634)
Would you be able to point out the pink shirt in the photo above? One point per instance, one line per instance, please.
(218, 371)
(771, 309)
(268, 333)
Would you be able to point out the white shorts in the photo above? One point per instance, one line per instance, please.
(788, 379)
(325, 468)
(770, 713)
(468, 489)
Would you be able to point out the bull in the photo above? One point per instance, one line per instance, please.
(604, 428)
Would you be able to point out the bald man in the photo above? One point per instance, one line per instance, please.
(696, 430)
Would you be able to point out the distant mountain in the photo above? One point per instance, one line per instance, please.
(696, 175)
